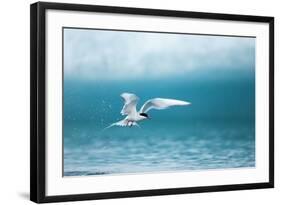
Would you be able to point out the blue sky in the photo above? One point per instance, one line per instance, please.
(119, 55)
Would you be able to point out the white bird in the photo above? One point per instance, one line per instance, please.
(133, 116)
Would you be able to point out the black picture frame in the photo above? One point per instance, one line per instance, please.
(38, 100)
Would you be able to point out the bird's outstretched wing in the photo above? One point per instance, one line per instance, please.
(130, 103)
(161, 103)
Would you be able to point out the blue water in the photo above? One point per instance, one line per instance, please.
(216, 132)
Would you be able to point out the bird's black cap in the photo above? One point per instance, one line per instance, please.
(144, 114)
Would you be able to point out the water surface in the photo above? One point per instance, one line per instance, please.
(216, 131)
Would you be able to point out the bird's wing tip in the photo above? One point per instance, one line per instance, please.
(126, 93)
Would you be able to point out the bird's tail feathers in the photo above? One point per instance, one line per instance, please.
(122, 123)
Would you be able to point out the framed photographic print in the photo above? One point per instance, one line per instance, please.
(129, 102)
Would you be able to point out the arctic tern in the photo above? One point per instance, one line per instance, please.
(133, 116)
